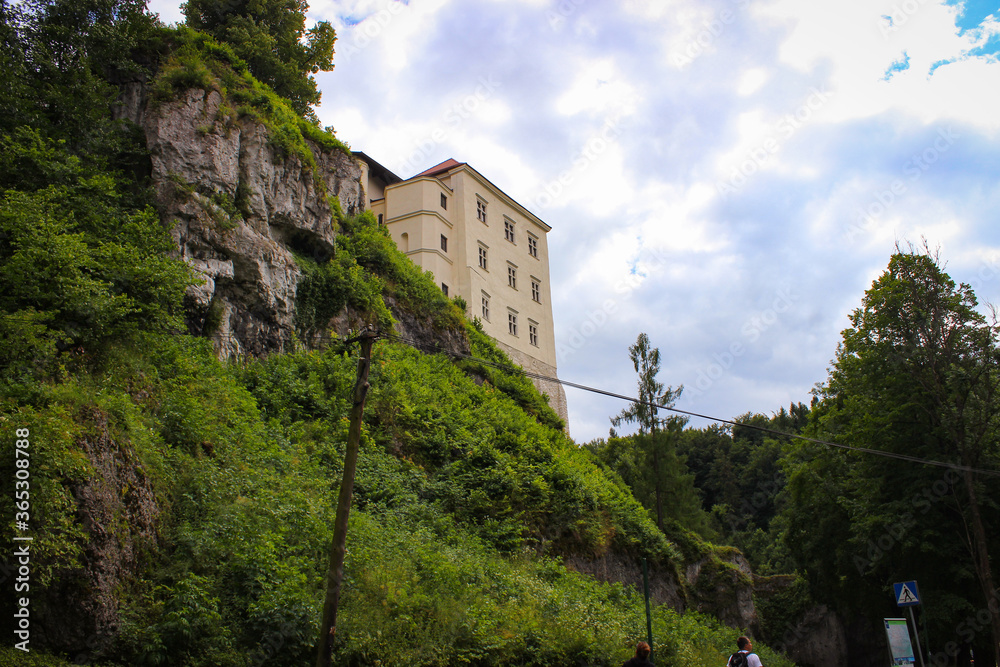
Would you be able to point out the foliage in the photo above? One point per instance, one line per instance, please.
(652, 393)
(631, 458)
(271, 37)
(62, 55)
(506, 376)
(79, 265)
(463, 506)
(739, 472)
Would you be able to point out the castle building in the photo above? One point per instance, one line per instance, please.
(481, 245)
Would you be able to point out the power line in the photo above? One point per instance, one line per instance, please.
(876, 452)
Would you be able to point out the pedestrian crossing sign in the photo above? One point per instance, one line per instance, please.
(906, 593)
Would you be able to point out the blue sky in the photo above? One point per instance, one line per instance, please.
(727, 176)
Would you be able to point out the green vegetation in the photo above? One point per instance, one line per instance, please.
(271, 37)
(464, 506)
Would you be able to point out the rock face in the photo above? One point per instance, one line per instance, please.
(818, 639)
(118, 511)
(237, 211)
(722, 584)
(664, 588)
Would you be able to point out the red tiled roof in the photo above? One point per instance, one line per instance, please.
(448, 164)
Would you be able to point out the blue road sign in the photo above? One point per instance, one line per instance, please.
(907, 594)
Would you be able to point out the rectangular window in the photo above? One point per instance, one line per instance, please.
(444, 243)
(536, 291)
(512, 276)
(379, 219)
(482, 258)
(444, 201)
(486, 306)
(533, 246)
(481, 210)
(512, 323)
(533, 334)
(508, 230)
(444, 288)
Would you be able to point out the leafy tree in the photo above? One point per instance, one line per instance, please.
(270, 35)
(916, 375)
(66, 58)
(661, 432)
(737, 469)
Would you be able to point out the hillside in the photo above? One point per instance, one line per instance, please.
(178, 281)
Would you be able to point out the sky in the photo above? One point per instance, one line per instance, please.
(726, 176)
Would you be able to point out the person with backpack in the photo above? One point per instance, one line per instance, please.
(744, 657)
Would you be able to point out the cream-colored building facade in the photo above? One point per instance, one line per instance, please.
(481, 245)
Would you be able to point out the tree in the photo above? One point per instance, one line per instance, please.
(645, 412)
(271, 36)
(915, 375)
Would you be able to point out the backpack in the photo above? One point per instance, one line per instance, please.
(739, 659)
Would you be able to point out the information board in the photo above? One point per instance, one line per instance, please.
(898, 635)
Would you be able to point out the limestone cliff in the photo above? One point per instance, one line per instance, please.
(237, 211)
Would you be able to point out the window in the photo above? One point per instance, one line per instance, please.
(486, 306)
(444, 288)
(532, 246)
(508, 230)
(512, 323)
(444, 243)
(481, 210)
(533, 334)
(444, 201)
(379, 219)
(482, 258)
(536, 290)
(512, 276)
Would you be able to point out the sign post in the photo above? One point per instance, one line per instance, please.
(907, 595)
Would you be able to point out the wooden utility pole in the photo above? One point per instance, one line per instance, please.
(335, 574)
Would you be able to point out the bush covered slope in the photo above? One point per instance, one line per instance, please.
(463, 505)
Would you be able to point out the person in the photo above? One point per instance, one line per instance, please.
(748, 657)
(641, 658)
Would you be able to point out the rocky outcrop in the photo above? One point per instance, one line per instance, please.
(237, 210)
(721, 583)
(664, 588)
(118, 512)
